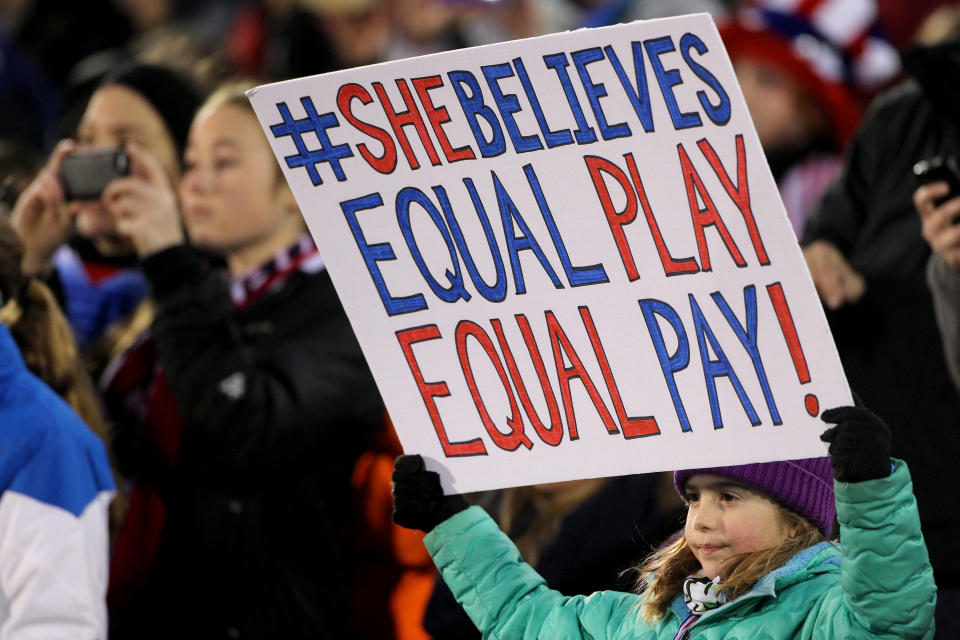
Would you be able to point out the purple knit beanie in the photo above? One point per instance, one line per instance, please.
(804, 486)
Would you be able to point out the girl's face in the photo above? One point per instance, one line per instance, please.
(234, 202)
(783, 114)
(114, 116)
(725, 518)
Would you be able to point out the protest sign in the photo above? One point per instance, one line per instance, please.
(564, 257)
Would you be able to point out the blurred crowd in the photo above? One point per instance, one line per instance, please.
(191, 444)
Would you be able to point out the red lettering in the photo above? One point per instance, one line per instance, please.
(706, 217)
(554, 434)
(388, 161)
(616, 219)
(398, 120)
(559, 341)
(507, 441)
(671, 266)
(431, 390)
(438, 116)
(740, 194)
(632, 427)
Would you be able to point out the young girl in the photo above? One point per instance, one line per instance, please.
(752, 562)
(258, 399)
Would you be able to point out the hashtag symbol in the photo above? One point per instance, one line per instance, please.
(307, 158)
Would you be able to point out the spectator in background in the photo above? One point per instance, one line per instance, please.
(43, 335)
(866, 255)
(391, 572)
(939, 208)
(578, 535)
(55, 480)
(803, 76)
(94, 269)
(46, 343)
(259, 407)
(281, 39)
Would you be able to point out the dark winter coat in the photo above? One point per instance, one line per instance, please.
(888, 341)
(276, 403)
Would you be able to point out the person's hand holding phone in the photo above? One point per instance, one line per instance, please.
(41, 216)
(144, 205)
(939, 210)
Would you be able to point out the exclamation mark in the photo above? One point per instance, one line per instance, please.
(775, 291)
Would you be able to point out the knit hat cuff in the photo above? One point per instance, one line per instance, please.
(804, 486)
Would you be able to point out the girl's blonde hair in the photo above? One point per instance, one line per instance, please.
(45, 339)
(234, 94)
(663, 572)
(43, 334)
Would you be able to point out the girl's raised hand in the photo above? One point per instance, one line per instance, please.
(418, 499)
(41, 217)
(144, 205)
(859, 444)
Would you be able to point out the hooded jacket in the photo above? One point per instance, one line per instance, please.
(881, 585)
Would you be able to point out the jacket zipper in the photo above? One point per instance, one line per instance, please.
(682, 632)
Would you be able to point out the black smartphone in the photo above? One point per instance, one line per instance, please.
(939, 169)
(86, 173)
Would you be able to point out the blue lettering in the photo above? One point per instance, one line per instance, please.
(373, 253)
(405, 198)
(748, 338)
(668, 364)
(511, 218)
(576, 276)
(553, 138)
(667, 80)
(639, 98)
(474, 108)
(509, 105)
(713, 369)
(558, 62)
(595, 91)
(719, 113)
(498, 291)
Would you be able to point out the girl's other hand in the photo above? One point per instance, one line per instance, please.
(144, 205)
(418, 499)
(859, 444)
(837, 282)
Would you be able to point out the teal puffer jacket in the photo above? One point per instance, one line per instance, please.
(883, 588)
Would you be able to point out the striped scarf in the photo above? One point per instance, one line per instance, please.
(703, 594)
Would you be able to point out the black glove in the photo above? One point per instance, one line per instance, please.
(418, 500)
(859, 444)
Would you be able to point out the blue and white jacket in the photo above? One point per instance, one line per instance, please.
(55, 487)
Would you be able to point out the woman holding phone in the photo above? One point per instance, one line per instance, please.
(72, 241)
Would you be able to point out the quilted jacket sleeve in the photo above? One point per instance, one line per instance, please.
(506, 598)
(887, 582)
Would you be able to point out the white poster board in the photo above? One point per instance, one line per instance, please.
(564, 257)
